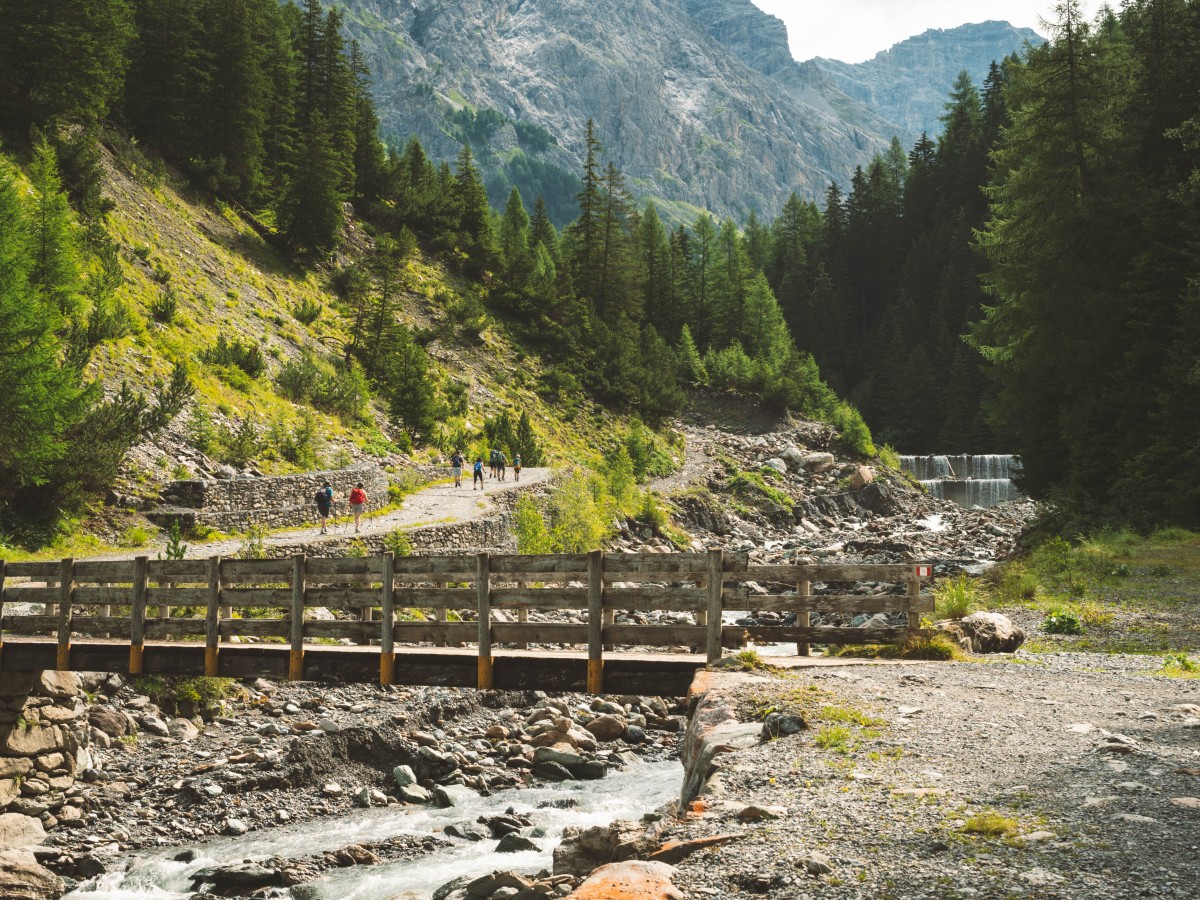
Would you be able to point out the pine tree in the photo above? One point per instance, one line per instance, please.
(586, 232)
(475, 215)
(515, 257)
(55, 262)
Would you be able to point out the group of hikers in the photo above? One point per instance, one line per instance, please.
(497, 465)
(357, 498)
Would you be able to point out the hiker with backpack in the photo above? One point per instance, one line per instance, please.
(358, 502)
(456, 467)
(324, 501)
(478, 473)
(517, 467)
(502, 464)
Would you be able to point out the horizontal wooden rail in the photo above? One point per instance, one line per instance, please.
(206, 601)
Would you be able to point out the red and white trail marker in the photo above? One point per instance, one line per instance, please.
(923, 571)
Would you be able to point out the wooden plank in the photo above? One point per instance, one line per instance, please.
(736, 562)
(194, 570)
(158, 629)
(37, 570)
(89, 595)
(276, 598)
(409, 598)
(573, 566)
(320, 567)
(631, 566)
(656, 635)
(914, 596)
(103, 570)
(459, 567)
(387, 616)
(540, 598)
(435, 632)
(30, 625)
(716, 584)
(66, 585)
(97, 626)
(827, 572)
(177, 596)
(670, 599)
(212, 620)
(804, 617)
(482, 590)
(359, 632)
(595, 670)
(279, 628)
(137, 613)
(248, 569)
(734, 634)
(539, 633)
(341, 596)
(3, 576)
(850, 604)
(19, 593)
(522, 611)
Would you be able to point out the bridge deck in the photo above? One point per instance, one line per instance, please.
(661, 674)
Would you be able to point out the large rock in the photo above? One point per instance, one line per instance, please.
(985, 632)
(20, 831)
(713, 729)
(19, 740)
(861, 477)
(776, 464)
(633, 880)
(818, 462)
(112, 722)
(582, 850)
(21, 878)
(59, 684)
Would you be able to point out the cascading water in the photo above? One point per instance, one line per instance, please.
(983, 479)
(625, 794)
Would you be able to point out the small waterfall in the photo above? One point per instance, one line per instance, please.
(982, 479)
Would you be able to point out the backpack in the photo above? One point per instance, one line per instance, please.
(324, 496)
(357, 496)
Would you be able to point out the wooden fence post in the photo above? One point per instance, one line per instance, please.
(804, 615)
(483, 597)
(66, 594)
(914, 590)
(387, 628)
(212, 619)
(716, 604)
(2, 565)
(439, 614)
(296, 657)
(522, 616)
(137, 613)
(595, 666)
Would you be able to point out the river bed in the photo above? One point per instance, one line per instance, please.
(626, 794)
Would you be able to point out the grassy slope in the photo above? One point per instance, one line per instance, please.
(229, 281)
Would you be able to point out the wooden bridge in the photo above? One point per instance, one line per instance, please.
(247, 617)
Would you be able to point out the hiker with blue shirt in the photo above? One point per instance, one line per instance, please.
(324, 500)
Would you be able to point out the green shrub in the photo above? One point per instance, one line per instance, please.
(889, 458)
(530, 528)
(1062, 622)
(297, 445)
(853, 433)
(651, 513)
(307, 311)
(246, 356)
(164, 307)
(135, 536)
(200, 431)
(579, 515)
(990, 824)
(239, 444)
(398, 543)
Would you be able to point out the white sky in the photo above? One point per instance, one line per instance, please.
(855, 30)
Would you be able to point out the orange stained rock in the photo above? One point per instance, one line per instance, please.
(633, 880)
(675, 851)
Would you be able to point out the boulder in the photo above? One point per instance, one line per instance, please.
(861, 477)
(985, 632)
(632, 880)
(21, 878)
(108, 720)
(19, 740)
(404, 776)
(793, 456)
(514, 843)
(582, 850)
(59, 684)
(777, 465)
(18, 831)
(818, 462)
(454, 795)
(607, 727)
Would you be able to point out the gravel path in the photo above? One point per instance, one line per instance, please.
(1093, 762)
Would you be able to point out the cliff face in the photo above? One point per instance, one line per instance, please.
(698, 101)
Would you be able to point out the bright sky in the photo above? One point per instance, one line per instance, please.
(855, 30)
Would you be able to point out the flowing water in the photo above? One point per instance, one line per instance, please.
(970, 480)
(625, 794)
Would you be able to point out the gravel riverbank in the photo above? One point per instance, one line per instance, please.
(1084, 768)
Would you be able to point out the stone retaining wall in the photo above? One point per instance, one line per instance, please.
(277, 502)
(44, 741)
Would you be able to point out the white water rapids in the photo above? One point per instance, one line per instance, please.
(625, 794)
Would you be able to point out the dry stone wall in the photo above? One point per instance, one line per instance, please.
(278, 502)
(44, 740)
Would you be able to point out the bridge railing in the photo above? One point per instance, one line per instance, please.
(222, 600)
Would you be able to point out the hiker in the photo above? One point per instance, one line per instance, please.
(456, 464)
(493, 463)
(478, 470)
(358, 501)
(324, 500)
(502, 462)
(517, 467)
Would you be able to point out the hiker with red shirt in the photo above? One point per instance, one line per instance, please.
(358, 501)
